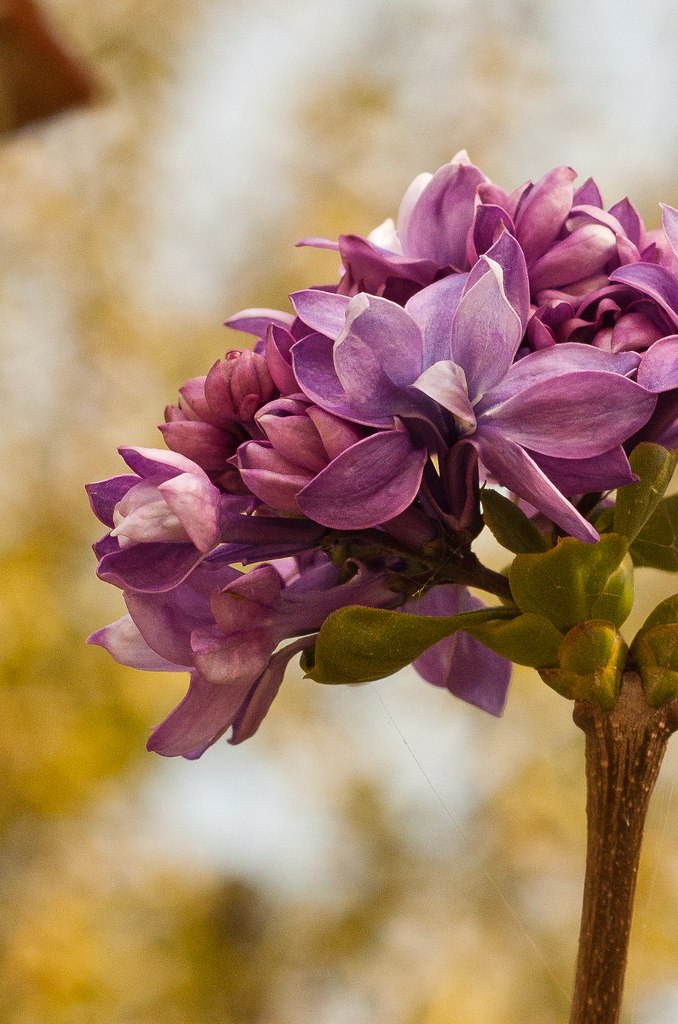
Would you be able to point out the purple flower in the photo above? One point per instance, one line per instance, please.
(163, 520)
(456, 341)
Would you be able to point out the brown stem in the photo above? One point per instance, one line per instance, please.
(624, 750)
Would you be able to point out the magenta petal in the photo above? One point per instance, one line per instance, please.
(512, 467)
(124, 642)
(270, 476)
(575, 415)
(542, 212)
(255, 708)
(629, 218)
(442, 215)
(584, 476)
(201, 442)
(459, 663)
(278, 345)
(196, 504)
(156, 462)
(509, 255)
(432, 310)
(204, 714)
(658, 370)
(324, 312)
(234, 660)
(582, 254)
(650, 279)
(104, 495)
(381, 474)
(486, 332)
(588, 194)
(150, 568)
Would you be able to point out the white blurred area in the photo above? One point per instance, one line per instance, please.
(131, 229)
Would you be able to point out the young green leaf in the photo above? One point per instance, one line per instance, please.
(357, 644)
(591, 662)
(636, 502)
(509, 524)
(575, 582)
(655, 653)
(657, 543)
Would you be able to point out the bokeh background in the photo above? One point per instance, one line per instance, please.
(375, 855)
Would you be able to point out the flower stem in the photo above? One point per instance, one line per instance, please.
(624, 751)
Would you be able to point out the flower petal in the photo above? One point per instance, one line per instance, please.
(126, 645)
(196, 504)
(440, 219)
(584, 476)
(658, 370)
(104, 495)
(575, 415)
(324, 312)
(512, 467)
(657, 282)
(432, 310)
(150, 568)
(257, 321)
(313, 362)
(543, 210)
(486, 332)
(204, 714)
(381, 474)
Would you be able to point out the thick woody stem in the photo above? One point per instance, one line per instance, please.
(624, 751)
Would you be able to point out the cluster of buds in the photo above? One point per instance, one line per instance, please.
(488, 359)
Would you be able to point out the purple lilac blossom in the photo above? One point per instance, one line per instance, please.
(525, 339)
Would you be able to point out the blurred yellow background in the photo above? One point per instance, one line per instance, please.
(378, 855)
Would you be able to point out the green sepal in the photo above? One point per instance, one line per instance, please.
(657, 543)
(575, 582)
(655, 653)
(509, 524)
(358, 645)
(591, 661)
(636, 502)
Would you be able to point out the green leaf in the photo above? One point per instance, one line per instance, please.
(657, 543)
(636, 502)
(509, 524)
(357, 644)
(575, 582)
(591, 662)
(529, 639)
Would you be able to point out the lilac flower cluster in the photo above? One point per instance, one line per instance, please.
(526, 341)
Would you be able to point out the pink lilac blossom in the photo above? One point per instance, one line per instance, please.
(524, 339)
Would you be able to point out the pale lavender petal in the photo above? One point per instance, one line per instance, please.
(409, 201)
(445, 383)
(512, 467)
(575, 415)
(317, 243)
(543, 211)
(380, 340)
(150, 568)
(432, 310)
(581, 254)
(486, 333)
(324, 312)
(256, 321)
(381, 474)
(313, 361)
(583, 476)
(336, 434)
(554, 361)
(657, 282)
(196, 504)
(126, 645)
(440, 219)
(104, 495)
(204, 714)
(509, 255)
(658, 370)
